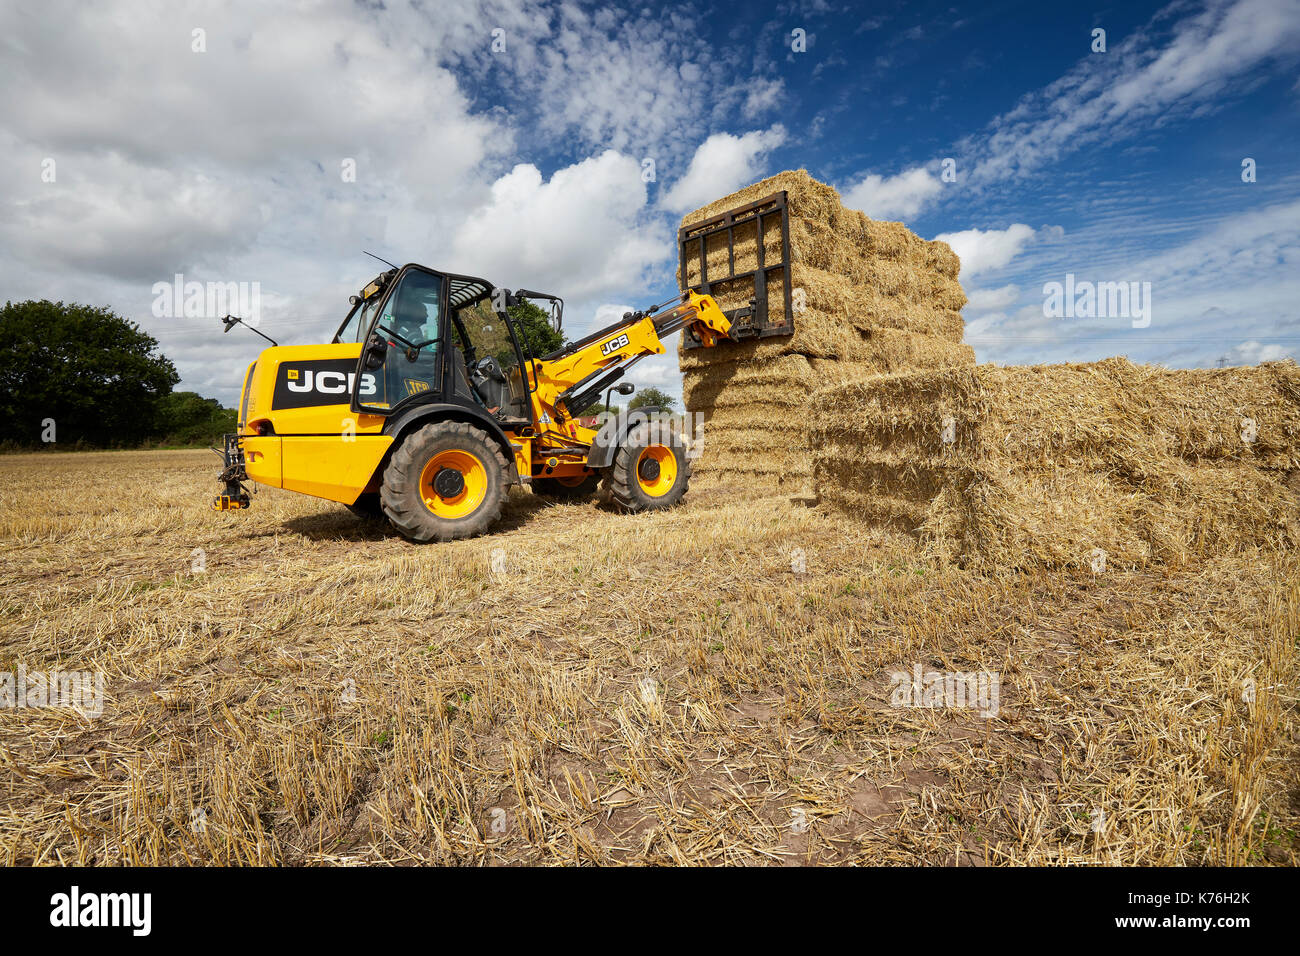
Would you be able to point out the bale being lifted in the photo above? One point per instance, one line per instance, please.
(865, 298)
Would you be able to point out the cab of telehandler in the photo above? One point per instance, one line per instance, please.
(430, 337)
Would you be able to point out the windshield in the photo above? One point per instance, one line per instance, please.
(354, 329)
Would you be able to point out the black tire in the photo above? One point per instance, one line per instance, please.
(553, 488)
(623, 487)
(368, 507)
(404, 501)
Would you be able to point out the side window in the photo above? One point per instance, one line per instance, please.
(410, 324)
(496, 377)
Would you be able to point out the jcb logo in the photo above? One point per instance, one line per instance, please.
(613, 345)
(328, 383)
(321, 382)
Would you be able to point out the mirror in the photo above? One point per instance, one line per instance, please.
(376, 350)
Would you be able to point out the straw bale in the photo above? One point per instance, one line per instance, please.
(805, 196)
(884, 256)
(1040, 465)
(817, 254)
(819, 335)
(817, 244)
(834, 301)
(785, 379)
(773, 416)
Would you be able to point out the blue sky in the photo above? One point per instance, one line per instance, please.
(508, 140)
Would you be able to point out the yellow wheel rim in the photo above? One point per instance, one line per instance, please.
(469, 490)
(663, 477)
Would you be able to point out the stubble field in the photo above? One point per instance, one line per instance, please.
(290, 685)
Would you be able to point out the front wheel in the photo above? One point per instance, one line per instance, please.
(446, 481)
(650, 470)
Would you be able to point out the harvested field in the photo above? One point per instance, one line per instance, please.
(627, 689)
(1042, 465)
(868, 298)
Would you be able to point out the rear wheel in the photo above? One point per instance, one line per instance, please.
(446, 480)
(578, 486)
(650, 470)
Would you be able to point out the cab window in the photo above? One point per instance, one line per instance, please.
(491, 364)
(410, 326)
(354, 330)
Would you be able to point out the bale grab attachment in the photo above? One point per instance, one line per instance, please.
(719, 233)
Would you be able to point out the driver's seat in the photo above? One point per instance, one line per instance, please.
(462, 377)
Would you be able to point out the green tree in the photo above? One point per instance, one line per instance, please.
(595, 408)
(187, 418)
(534, 327)
(96, 374)
(654, 397)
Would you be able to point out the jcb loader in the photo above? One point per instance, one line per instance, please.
(427, 404)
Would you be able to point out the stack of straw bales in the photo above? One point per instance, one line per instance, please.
(879, 299)
(1046, 466)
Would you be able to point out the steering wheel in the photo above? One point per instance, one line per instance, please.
(405, 341)
(412, 349)
(488, 367)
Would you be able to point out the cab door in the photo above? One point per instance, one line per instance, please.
(404, 346)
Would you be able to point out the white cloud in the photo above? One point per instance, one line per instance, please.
(607, 313)
(579, 234)
(985, 299)
(1169, 69)
(271, 81)
(660, 371)
(225, 165)
(644, 81)
(1252, 353)
(894, 197)
(762, 96)
(984, 249)
(137, 228)
(1235, 281)
(722, 164)
(227, 162)
(1143, 79)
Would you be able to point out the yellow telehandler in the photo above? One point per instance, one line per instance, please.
(427, 404)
